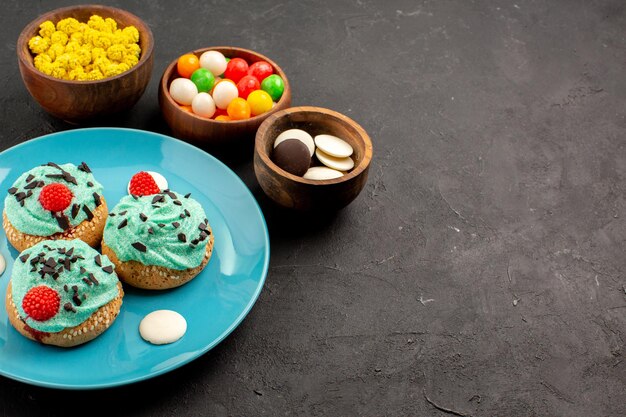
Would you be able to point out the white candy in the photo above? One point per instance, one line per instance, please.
(162, 326)
(203, 105)
(224, 93)
(299, 134)
(321, 173)
(160, 180)
(214, 61)
(333, 146)
(3, 264)
(340, 164)
(183, 91)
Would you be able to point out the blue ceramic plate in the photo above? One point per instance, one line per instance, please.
(213, 303)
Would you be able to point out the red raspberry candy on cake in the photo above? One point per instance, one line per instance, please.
(142, 183)
(55, 197)
(41, 303)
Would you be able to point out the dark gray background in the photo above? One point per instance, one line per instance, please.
(481, 270)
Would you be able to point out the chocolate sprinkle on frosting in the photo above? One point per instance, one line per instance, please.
(82, 270)
(122, 224)
(63, 222)
(187, 195)
(65, 288)
(134, 196)
(108, 269)
(158, 199)
(50, 262)
(187, 213)
(171, 194)
(112, 214)
(75, 288)
(69, 252)
(30, 177)
(161, 225)
(123, 213)
(12, 190)
(139, 246)
(182, 237)
(55, 176)
(202, 226)
(83, 167)
(31, 185)
(40, 184)
(69, 307)
(89, 184)
(76, 299)
(175, 224)
(52, 164)
(178, 203)
(143, 217)
(150, 231)
(98, 260)
(75, 210)
(182, 215)
(24, 258)
(88, 213)
(93, 279)
(97, 199)
(195, 242)
(86, 281)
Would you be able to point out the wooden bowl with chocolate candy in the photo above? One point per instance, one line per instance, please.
(204, 121)
(77, 66)
(310, 158)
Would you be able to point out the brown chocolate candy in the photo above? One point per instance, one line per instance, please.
(293, 156)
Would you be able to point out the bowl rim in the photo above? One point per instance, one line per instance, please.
(355, 172)
(170, 68)
(33, 24)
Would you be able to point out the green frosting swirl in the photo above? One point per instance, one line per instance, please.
(91, 295)
(32, 218)
(164, 229)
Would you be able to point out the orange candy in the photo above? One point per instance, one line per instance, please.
(238, 109)
(223, 118)
(187, 64)
(186, 108)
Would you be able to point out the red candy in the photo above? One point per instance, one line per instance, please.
(41, 303)
(55, 197)
(236, 69)
(261, 70)
(247, 85)
(142, 183)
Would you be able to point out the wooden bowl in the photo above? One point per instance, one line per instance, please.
(215, 134)
(75, 101)
(298, 193)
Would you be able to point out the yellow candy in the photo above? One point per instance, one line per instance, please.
(46, 29)
(116, 53)
(74, 50)
(39, 45)
(59, 37)
(69, 25)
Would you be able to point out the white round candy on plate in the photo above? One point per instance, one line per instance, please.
(299, 134)
(183, 91)
(160, 180)
(333, 146)
(321, 173)
(203, 105)
(162, 326)
(224, 93)
(340, 164)
(214, 61)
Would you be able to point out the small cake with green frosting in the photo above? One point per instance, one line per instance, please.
(52, 202)
(158, 241)
(63, 293)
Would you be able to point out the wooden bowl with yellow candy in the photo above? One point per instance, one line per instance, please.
(56, 67)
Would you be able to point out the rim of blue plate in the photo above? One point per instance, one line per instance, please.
(215, 342)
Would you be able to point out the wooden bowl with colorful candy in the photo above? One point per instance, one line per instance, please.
(218, 97)
(310, 158)
(85, 61)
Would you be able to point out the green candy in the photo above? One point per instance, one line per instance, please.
(203, 79)
(274, 86)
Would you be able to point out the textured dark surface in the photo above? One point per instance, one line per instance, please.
(481, 270)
